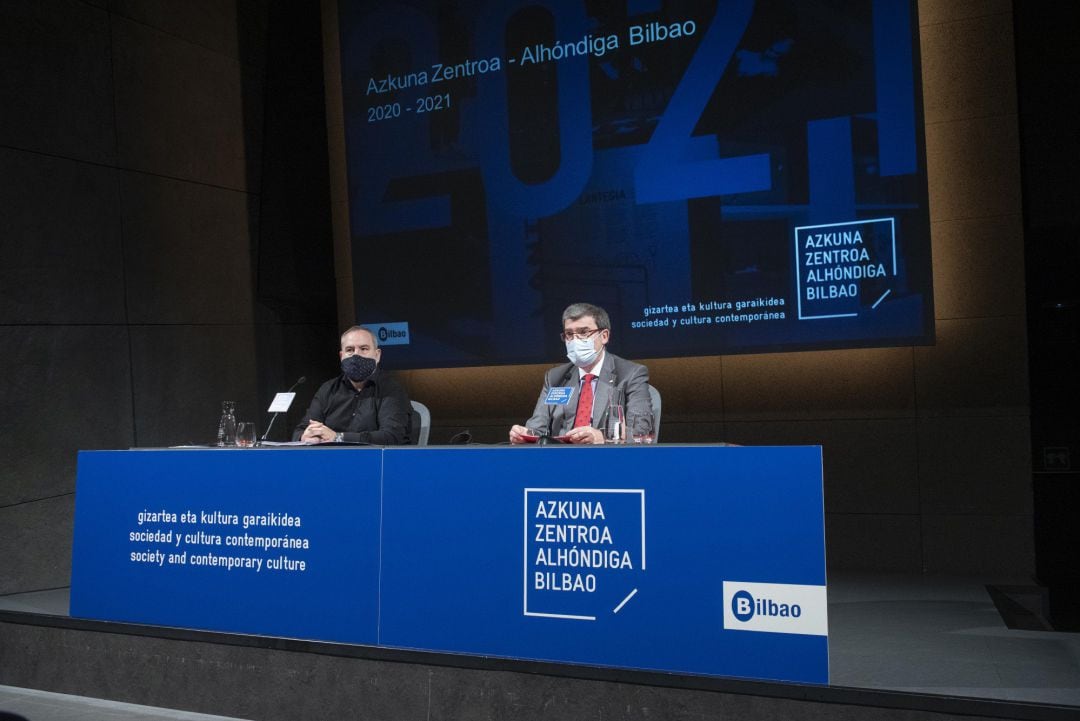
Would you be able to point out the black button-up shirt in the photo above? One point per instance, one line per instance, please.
(379, 413)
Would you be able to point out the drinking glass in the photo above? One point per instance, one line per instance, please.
(616, 424)
(245, 434)
(640, 428)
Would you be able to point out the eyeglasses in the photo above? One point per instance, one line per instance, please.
(580, 334)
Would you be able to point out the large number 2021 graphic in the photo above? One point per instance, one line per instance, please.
(672, 166)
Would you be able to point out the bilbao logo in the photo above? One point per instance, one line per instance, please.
(744, 607)
(776, 608)
(391, 333)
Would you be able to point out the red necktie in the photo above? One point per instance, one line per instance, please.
(584, 406)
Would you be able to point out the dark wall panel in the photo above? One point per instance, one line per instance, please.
(506, 396)
(977, 367)
(870, 383)
(36, 544)
(64, 388)
(131, 152)
(681, 401)
(179, 108)
(972, 63)
(984, 263)
(933, 12)
(975, 465)
(60, 244)
(873, 542)
(183, 372)
(55, 79)
(286, 353)
(996, 546)
(295, 278)
(209, 23)
(869, 465)
(187, 251)
(973, 167)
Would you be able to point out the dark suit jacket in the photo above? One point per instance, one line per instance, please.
(615, 374)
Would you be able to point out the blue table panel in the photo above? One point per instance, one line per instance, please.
(334, 493)
(609, 556)
(462, 538)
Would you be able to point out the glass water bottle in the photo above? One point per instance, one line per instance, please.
(226, 432)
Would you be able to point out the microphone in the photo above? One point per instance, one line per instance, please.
(461, 439)
(613, 381)
(566, 376)
(299, 381)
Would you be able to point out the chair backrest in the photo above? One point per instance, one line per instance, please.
(421, 424)
(654, 397)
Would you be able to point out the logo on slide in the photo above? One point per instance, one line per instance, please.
(391, 333)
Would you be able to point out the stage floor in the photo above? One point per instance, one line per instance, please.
(940, 635)
(919, 634)
(34, 705)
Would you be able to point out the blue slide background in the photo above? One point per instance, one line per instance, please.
(661, 174)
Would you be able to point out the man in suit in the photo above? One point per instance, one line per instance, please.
(594, 375)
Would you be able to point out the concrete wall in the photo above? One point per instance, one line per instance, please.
(138, 287)
(294, 680)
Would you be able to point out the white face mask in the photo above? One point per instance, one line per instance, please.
(581, 352)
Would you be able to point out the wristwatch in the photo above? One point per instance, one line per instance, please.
(339, 437)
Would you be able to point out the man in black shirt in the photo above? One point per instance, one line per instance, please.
(362, 405)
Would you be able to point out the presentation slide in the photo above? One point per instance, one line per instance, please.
(721, 176)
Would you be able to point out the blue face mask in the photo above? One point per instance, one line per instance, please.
(357, 367)
(581, 352)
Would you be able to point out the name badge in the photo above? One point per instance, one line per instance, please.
(559, 396)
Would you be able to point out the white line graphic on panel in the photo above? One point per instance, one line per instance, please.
(560, 615)
(619, 607)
